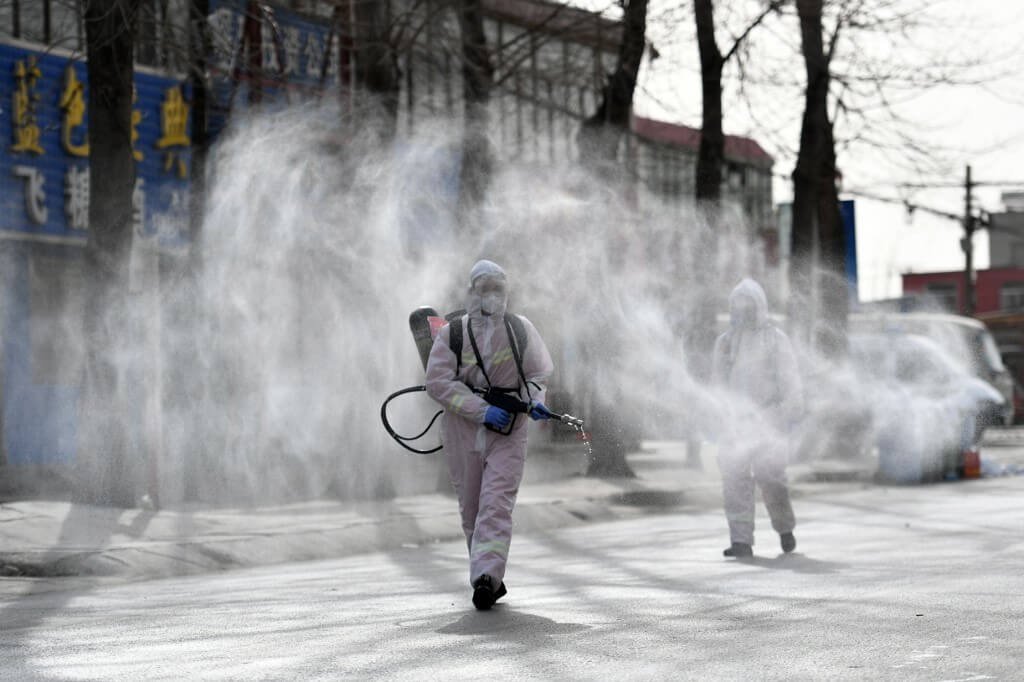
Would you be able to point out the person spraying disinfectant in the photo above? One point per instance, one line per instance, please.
(503, 364)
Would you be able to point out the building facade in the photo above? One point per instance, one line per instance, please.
(996, 290)
(1000, 288)
(667, 163)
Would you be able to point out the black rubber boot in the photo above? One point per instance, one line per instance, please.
(740, 550)
(484, 595)
(787, 541)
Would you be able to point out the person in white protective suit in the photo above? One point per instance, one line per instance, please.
(486, 466)
(754, 361)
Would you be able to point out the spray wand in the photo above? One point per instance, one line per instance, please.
(566, 419)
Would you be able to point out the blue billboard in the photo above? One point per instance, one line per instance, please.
(45, 163)
(848, 214)
(44, 222)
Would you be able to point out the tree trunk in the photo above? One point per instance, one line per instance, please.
(185, 374)
(376, 65)
(477, 81)
(109, 464)
(602, 132)
(698, 329)
(711, 153)
(599, 142)
(710, 159)
(834, 287)
(816, 220)
(200, 47)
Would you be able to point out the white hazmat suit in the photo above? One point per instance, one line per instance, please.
(485, 467)
(754, 361)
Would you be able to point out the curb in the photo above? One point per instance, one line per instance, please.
(323, 531)
(156, 558)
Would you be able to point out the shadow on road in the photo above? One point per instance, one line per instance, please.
(506, 621)
(83, 526)
(798, 563)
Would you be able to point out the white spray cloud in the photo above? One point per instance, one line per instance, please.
(317, 246)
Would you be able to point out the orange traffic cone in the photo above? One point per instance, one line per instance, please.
(972, 463)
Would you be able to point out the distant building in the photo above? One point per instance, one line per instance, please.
(1006, 233)
(667, 166)
(996, 290)
(999, 290)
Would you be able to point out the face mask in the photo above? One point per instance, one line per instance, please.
(744, 315)
(491, 303)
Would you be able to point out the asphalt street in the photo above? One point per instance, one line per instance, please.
(887, 583)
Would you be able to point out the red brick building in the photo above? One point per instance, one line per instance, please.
(999, 294)
(996, 290)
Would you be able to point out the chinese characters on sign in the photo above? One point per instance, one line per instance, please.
(76, 197)
(48, 157)
(26, 100)
(174, 125)
(35, 197)
(72, 101)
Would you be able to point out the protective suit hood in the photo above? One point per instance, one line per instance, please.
(475, 302)
(748, 295)
(757, 360)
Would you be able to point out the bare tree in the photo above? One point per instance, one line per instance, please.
(711, 153)
(105, 441)
(603, 131)
(700, 327)
(200, 47)
(477, 81)
(600, 138)
(815, 193)
(376, 73)
(863, 61)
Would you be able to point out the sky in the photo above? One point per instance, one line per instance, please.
(980, 123)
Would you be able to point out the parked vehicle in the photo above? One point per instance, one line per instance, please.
(918, 388)
(963, 338)
(926, 406)
(1007, 329)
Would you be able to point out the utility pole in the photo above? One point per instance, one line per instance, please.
(967, 243)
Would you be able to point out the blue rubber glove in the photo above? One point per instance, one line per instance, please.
(497, 417)
(539, 411)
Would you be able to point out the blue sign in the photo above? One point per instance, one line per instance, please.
(849, 217)
(45, 160)
(44, 197)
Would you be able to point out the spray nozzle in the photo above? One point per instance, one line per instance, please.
(572, 421)
(566, 419)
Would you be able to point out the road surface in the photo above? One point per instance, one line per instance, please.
(887, 583)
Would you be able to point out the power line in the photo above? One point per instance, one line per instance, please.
(971, 223)
(959, 185)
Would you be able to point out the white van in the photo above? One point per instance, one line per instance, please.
(965, 338)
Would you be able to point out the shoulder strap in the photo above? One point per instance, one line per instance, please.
(476, 352)
(519, 331)
(516, 331)
(455, 341)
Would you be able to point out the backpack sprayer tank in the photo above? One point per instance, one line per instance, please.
(424, 323)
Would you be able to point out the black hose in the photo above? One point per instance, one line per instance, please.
(400, 439)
